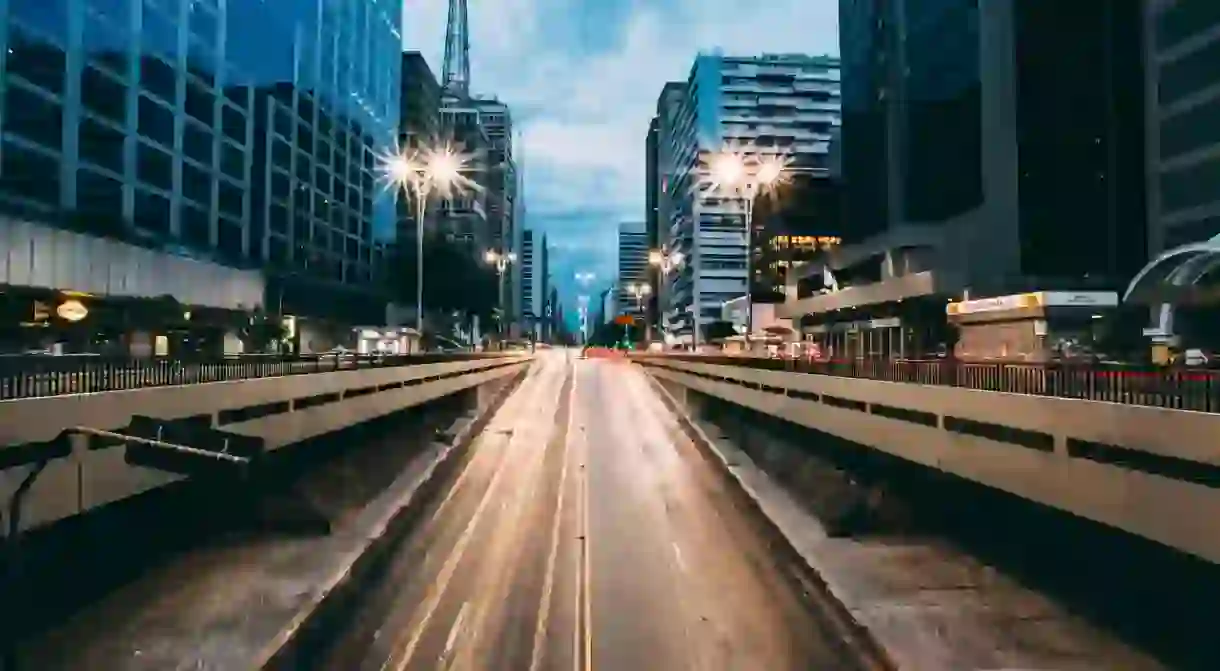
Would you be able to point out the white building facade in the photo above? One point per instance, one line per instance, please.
(776, 104)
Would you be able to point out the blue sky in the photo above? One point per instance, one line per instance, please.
(582, 77)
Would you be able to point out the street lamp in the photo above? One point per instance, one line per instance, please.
(501, 261)
(746, 175)
(639, 291)
(421, 173)
(665, 261)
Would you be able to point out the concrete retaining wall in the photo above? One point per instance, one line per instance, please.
(1148, 471)
(89, 478)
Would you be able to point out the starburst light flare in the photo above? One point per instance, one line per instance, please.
(744, 170)
(437, 169)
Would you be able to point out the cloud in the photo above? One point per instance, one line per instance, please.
(583, 78)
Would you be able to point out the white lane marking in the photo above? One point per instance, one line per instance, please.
(678, 557)
(455, 630)
(450, 566)
(587, 572)
(548, 586)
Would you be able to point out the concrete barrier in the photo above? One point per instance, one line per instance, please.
(281, 411)
(1147, 471)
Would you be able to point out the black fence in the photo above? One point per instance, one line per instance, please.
(1177, 388)
(37, 376)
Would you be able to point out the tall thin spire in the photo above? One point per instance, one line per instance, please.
(457, 51)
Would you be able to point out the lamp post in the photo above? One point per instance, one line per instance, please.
(422, 173)
(639, 291)
(501, 261)
(665, 261)
(746, 175)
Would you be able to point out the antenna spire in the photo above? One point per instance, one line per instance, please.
(457, 51)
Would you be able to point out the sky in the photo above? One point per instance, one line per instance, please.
(582, 78)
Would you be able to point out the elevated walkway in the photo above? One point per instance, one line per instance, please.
(1150, 471)
(63, 455)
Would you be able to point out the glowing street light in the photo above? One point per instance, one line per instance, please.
(746, 175)
(585, 278)
(501, 262)
(421, 173)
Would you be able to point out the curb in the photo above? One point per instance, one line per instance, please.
(857, 639)
(329, 605)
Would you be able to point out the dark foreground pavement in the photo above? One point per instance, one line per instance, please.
(587, 531)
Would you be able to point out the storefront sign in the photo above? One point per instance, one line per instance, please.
(72, 311)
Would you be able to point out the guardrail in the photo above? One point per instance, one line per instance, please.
(1195, 389)
(23, 377)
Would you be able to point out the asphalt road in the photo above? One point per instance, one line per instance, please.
(586, 532)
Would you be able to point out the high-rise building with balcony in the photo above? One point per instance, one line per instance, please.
(1183, 39)
(633, 267)
(500, 181)
(784, 104)
(243, 132)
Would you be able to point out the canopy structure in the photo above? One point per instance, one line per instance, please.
(1171, 280)
(1179, 267)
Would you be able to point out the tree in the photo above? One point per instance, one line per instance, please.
(455, 279)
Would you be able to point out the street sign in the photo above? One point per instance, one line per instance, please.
(624, 320)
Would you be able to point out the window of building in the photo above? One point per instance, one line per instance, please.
(196, 226)
(154, 166)
(278, 218)
(159, 78)
(1196, 185)
(152, 211)
(103, 95)
(1191, 73)
(196, 184)
(29, 174)
(96, 192)
(101, 144)
(48, 19)
(197, 143)
(232, 161)
(199, 101)
(159, 33)
(231, 199)
(155, 121)
(1196, 128)
(231, 238)
(33, 116)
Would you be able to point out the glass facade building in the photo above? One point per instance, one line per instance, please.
(244, 130)
(1184, 47)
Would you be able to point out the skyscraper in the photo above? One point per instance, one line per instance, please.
(632, 266)
(224, 130)
(499, 181)
(529, 304)
(775, 103)
(420, 128)
(1183, 41)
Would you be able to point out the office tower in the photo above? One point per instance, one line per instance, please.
(500, 181)
(141, 120)
(784, 104)
(1002, 139)
(529, 308)
(633, 267)
(1183, 40)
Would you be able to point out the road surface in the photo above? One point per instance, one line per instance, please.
(586, 532)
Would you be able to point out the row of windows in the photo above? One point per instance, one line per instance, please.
(1190, 74)
(1193, 129)
(1189, 187)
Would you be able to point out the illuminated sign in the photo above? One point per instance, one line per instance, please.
(72, 311)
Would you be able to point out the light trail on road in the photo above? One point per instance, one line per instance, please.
(586, 532)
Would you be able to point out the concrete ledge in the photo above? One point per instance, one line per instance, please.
(258, 603)
(1120, 494)
(925, 605)
(90, 478)
(41, 419)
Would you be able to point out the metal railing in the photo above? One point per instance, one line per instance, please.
(24, 377)
(1195, 389)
